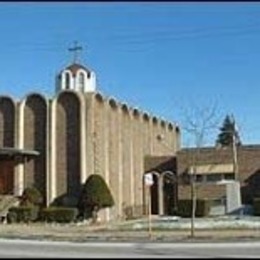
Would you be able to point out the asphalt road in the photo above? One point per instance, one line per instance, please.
(14, 248)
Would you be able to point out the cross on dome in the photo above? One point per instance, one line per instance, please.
(75, 51)
(76, 76)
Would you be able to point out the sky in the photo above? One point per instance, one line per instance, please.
(175, 60)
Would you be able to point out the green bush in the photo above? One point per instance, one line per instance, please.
(65, 201)
(95, 195)
(11, 217)
(58, 214)
(22, 214)
(256, 206)
(31, 196)
(184, 208)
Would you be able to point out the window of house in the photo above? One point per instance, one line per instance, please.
(199, 178)
(217, 202)
(229, 176)
(214, 177)
(81, 80)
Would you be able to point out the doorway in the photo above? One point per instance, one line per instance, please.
(6, 177)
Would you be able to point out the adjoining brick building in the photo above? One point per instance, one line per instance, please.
(79, 132)
(214, 166)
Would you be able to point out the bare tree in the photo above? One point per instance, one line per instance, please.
(198, 124)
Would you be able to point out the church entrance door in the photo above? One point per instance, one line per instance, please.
(6, 176)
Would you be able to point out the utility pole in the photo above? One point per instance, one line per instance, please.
(236, 200)
(193, 200)
(234, 148)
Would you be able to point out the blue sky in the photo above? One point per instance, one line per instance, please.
(165, 58)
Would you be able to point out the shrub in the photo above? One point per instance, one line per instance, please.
(256, 206)
(11, 217)
(31, 196)
(95, 195)
(22, 214)
(185, 208)
(58, 214)
(65, 201)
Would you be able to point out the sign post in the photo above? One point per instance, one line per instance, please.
(148, 181)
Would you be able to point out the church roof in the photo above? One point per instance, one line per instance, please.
(75, 67)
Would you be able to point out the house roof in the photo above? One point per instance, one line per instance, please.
(160, 164)
(205, 155)
(247, 157)
(214, 148)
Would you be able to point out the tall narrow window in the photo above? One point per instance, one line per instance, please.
(81, 81)
(67, 80)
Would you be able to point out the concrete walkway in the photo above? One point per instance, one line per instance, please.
(86, 232)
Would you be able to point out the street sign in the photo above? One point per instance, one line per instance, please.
(148, 179)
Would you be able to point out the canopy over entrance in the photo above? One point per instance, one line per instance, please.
(9, 158)
(10, 153)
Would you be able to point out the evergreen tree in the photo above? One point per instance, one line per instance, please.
(95, 195)
(228, 129)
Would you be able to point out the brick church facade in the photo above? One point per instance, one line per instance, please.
(79, 132)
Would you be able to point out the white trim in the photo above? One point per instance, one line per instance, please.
(84, 87)
(52, 172)
(211, 168)
(82, 111)
(20, 167)
(63, 80)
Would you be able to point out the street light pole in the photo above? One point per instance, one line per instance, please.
(148, 181)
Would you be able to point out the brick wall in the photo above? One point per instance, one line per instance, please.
(7, 122)
(68, 145)
(35, 138)
(207, 191)
(248, 169)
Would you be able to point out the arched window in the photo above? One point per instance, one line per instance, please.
(81, 80)
(67, 80)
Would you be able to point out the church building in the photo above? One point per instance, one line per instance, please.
(55, 143)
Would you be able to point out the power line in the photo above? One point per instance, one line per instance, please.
(171, 34)
(155, 38)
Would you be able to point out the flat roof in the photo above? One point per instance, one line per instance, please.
(10, 151)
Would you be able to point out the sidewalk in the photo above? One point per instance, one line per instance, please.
(86, 232)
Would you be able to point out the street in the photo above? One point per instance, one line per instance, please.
(14, 248)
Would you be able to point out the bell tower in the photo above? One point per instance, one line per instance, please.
(76, 76)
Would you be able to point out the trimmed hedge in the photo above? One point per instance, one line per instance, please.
(22, 214)
(31, 196)
(184, 208)
(94, 196)
(59, 214)
(256, 206)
